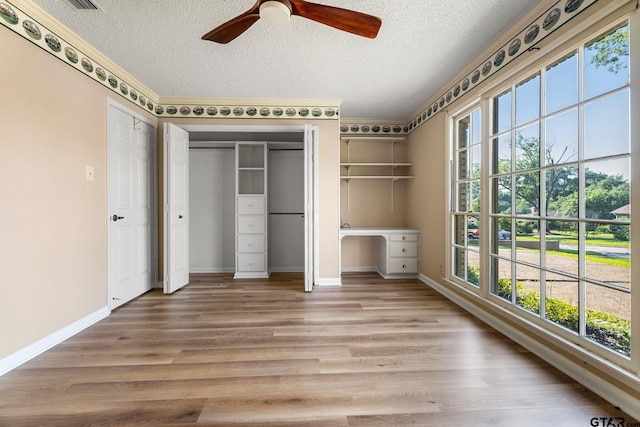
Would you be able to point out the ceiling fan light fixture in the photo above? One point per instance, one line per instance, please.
(275, 13)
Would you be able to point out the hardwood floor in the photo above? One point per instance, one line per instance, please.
(238, 352)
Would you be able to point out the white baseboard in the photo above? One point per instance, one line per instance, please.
(329, 282)
(628, 402)
(198, 270)
(287, 270)
(359, 269)
(22, 356)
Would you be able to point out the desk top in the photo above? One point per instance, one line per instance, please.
(375, 231)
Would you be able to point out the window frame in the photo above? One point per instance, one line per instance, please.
(484, 101)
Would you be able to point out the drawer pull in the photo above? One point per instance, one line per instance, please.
(404, 250)
(404, 266)
(404, 237)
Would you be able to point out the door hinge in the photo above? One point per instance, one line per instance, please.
(166, 208)
(166, 279)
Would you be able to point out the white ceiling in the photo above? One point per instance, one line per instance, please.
(422, 44)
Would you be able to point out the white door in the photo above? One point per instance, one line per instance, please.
(176, 202)
(310, 146)
(130, 143)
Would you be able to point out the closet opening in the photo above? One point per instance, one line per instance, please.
(250, 200)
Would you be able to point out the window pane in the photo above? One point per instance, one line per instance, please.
(463, 197)
(476, 159)
(609, 318)
(565, 258)
(607, 63)
(475, 196)
(476, 134)
(502, 190)
(528, 147)
(561, 139)
(562, 192)
(502, 151)
(463, 164)
(607, 188)
(502, 246)
(501, 283)
(562, 84)
(608, 258)
(528, 288)
(502, 108)
(528, 100)
(561, 302)
(463, 132)
(459, 263)
(527, 193)
(473, 268)
(459, 237)
(528, 241)
(606, 126)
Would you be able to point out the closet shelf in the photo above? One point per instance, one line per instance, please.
(391, 177)
(387, 164)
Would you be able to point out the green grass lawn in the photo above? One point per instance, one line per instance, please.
(598, 240)
(593, 256)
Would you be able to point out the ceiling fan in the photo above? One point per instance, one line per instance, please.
(278, 13)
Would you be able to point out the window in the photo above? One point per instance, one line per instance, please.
(560, 184)
(466, 206)
(558, 187)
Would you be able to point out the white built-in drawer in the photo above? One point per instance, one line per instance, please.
(250, 205)
(251, 224)
(399, 265)
(251, 243)
(403, 249)
(250, 262)
(413, 237)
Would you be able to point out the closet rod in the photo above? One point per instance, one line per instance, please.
(211, 148)
(286, 213)
(286, 149)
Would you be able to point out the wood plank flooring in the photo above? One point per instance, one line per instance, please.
(263, 352)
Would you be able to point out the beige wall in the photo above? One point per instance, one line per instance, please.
(426, 201)
(53, 247)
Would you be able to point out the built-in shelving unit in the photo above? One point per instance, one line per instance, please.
(251, 210)
(361, 161)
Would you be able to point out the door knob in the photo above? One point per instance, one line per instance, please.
(179, 216)
(116, 217)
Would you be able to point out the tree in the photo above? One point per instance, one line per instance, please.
(612, 51)
(561, 181)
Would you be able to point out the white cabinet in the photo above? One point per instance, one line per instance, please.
(251, 212)
(399, 254)
(398, 249)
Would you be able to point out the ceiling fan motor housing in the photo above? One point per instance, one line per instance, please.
(275, 13)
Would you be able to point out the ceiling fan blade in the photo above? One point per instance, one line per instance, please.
(343, 19)
(233, 28)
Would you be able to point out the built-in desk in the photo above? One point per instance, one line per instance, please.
(398, 249)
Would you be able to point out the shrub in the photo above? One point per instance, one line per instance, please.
(604, 328)
(620, 232)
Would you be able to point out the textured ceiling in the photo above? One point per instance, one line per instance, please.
(422, 44)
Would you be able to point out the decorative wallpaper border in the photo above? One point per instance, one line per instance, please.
(24, 25)
(555, 17)
(373, 129)
(246, 111)
(21, 23)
